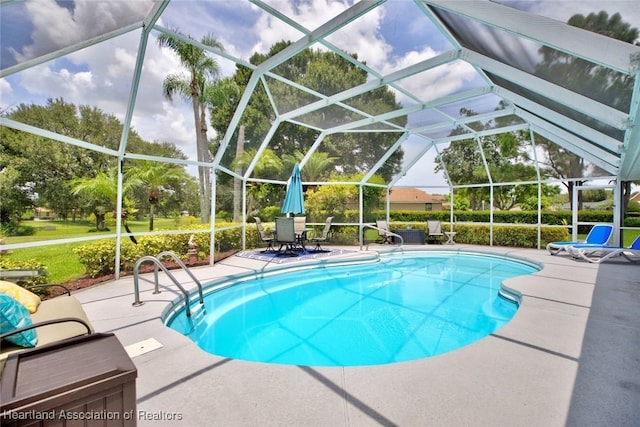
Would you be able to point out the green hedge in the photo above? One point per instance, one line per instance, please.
(98, 258)
(476, 234)
(511, 217)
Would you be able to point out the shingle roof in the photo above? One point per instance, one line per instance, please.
(413, 195)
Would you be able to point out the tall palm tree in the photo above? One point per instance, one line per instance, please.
(201, 71)
(153, 176)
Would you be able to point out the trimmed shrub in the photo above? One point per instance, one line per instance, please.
(98, 258)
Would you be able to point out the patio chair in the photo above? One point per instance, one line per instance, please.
(598, 254)
(384, 234)
(266, 236)
(300, 227)
(323, 237)
(598, 235)
(434, 229)
(286, 236)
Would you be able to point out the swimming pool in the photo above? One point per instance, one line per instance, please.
(404, 307)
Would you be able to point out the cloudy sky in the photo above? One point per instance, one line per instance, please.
(388, 38)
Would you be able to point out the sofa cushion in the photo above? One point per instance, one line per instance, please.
(22, 295)
(56, 308)
(14, 315)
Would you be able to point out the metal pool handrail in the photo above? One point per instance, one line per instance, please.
(157, 263)
(185, 268)
(378, 229)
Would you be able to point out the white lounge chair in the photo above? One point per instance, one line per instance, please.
(602, 253)
(599, 235)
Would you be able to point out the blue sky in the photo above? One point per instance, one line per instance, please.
(388, 38)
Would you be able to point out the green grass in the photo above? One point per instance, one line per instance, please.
(68, 229)
(61, 263)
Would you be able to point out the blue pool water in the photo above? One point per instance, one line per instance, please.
(404, 307)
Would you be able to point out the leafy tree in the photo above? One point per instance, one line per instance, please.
(326, 73)
(14, 199)
(45, 173)
(595, 81)
(202, 71)
(45, 167)
(507, 158)
(261, 194)
(333, 200)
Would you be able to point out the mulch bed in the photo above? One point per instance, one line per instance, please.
(86, 281)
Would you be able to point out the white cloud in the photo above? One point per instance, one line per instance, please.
(7, 94)
(57, 27)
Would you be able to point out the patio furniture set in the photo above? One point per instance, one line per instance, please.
(291, 234)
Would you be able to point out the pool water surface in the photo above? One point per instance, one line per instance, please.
(404, 307)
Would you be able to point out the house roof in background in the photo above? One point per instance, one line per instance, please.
(414, 195)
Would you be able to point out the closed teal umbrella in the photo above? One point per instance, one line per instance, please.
(294, 198)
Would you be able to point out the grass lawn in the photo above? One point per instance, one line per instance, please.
(60, 261)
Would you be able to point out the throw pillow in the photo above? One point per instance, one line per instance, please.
(14, 315)
(25, 297)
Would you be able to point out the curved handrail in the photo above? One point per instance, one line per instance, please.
(184, 267)
(157, 262)
(379, 229)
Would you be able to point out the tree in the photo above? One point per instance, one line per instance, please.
(587, 78)
(153, 176)
(507, 159)
(100, 194)
(14, 199)
(202, 70)
(326, 73)
(318, 166)
(44, 167)
(260, 193)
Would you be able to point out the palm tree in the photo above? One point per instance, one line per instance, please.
(202, 70)
(100, 192)
(153, 176)
(269, 162)
(318, 166)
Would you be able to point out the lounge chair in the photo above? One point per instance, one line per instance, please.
(266, 236)
(598, 254)
(435, 233)
(599, 235)
(384, 234)
(323, 237)
(286, 236)
(51, 321)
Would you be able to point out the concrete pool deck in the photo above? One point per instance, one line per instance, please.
(570, 356)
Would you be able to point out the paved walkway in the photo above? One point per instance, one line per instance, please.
(570, 356)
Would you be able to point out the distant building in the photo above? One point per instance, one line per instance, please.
(413, 199)
(43, 214)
